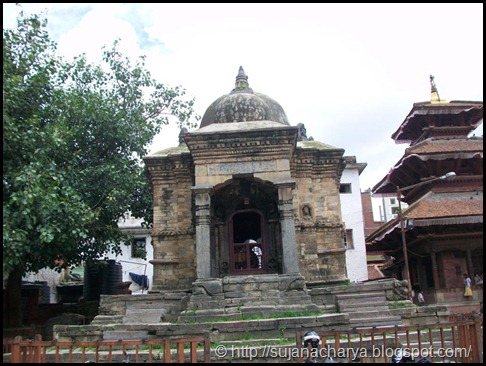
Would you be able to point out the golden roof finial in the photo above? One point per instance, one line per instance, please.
(434, 97)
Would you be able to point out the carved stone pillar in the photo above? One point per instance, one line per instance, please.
(203, 220)
(290, 263)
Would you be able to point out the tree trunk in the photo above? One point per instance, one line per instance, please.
(12, 309)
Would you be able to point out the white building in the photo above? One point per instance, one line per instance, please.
(385, 207)
(135, 257)
(352, 215)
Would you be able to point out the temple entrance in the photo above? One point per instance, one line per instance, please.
(247, 246)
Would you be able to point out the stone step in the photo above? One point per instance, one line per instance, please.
(237, 312)
(145, 305)
(375, 322)
(360, 295)
(125, 335)
(362, 303)
(365, 307)
(375, 313)
(107, 319)
(368, 324)
(330, 308)
(365, 300)
(145, 316)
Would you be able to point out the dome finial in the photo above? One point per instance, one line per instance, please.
(241, 74)
(241, 84)
(434, 97)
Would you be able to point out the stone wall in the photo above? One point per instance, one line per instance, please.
(173, 235)
(319, 227)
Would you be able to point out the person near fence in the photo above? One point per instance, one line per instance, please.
(467, 286)
(311, 341)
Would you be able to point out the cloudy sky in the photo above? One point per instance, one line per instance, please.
(349, 72)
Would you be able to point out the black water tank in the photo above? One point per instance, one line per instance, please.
(92, 281)
(100, 278)
(111, 276)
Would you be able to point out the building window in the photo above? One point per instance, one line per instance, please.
(393, 201)
(394, 210)
(348, 239)
(138, 248)
(345, 188)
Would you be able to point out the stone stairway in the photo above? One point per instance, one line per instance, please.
(234, 296)
(367, 309)
(140, 309)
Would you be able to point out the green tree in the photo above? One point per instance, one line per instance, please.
(73, 137)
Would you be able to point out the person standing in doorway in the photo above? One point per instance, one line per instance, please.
(420, 297)
(467, 286)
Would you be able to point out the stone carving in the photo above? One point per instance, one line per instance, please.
(209, 287)
(306, 212)
(399, 292)
(302, 136)
(292, 283)
(224, 268)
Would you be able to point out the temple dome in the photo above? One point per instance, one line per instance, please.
(243, 105)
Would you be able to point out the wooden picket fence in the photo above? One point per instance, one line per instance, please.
(164, 350)
(459, 341)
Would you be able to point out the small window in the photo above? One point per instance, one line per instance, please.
(138, 248)
(345, 188)
(393, 201)
(348, 239)
(394, 210)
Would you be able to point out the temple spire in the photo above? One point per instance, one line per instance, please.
(241, 84)
(434, 97)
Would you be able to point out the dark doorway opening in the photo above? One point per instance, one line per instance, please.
(247, 246)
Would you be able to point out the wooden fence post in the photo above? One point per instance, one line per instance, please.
(15, 349)
(476, 341)
(37, 348)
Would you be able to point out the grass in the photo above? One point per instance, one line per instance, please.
(398, 304)
(287, 314)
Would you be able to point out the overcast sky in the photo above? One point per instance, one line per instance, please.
(349, 72)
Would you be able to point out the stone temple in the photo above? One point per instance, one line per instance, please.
(246, 209)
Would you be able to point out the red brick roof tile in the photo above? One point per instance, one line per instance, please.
(447, 204)
(432, 146)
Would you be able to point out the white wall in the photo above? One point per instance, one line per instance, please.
(48, 275)
(135, 265)
(389, 202)
(352, 215)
